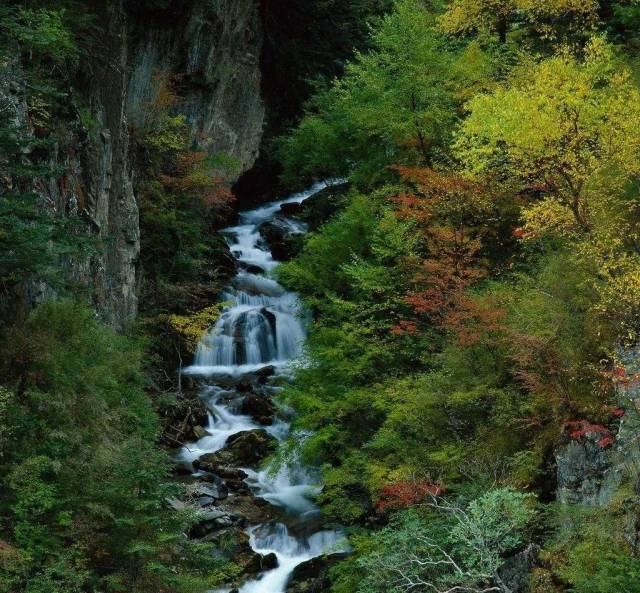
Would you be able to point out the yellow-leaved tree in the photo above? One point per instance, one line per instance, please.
(564, 134)
(498, 16)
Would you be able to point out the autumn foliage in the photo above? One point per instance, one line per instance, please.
(195, 177)
(447, 211)
(400, 495)
(579, 429)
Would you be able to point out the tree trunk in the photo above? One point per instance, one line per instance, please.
(502, 28)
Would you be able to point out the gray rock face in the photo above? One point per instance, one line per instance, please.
(586, 473)
(214, 51)
(628, 398)
(95, 185)
(515, 573)
(591, 466)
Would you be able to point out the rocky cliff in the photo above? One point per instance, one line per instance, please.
(211, 53)
(592, 464)
(213, 50)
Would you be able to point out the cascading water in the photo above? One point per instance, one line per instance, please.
(261, 326)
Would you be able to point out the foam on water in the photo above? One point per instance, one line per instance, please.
(290, 551)
(262, 326)
(289, 487)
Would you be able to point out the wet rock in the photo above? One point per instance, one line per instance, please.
(260, 563)
(245, 449)
(311, 576)
(252, 268)
(282, 239)
(234, 479)
(266, 371)
(269, 562)
(515, 573)
(213, 520)
(248, 382)
(271, 318)
(245, 386)
(199, 432)
(259, 407)
(215, 490)
(253, 510)
(233, 544)
(291, 208)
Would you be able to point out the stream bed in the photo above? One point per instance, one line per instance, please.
(259, 334)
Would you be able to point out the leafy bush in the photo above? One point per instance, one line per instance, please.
(447, 546)
(86, 488)
(589, 551)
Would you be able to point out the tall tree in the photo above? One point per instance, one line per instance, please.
(498, 17)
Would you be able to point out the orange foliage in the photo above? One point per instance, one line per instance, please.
(401, 495)
(193, 178)
(166, 97)
(447, 210)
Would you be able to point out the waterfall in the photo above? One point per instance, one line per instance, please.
(261, 325)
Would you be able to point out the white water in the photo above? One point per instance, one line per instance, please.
(290, 552)
(262, 326)
(289, 487)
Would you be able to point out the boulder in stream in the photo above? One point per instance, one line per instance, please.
(259, 407)
(290, 208)
(234, 479)
(245, 449)
(284, 242)
(214, 490)
(253, 510)
(320, 207)
(311, 576)
(233, 544)
(213, 520)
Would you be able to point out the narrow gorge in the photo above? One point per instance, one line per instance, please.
(319, 296)
(250, 350)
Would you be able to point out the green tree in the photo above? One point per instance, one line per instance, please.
(563, 135)
(499, 16)
(43, 34)
(32, 240)
(394, 104)
(450, 548)
(559, 128)
(84, 505)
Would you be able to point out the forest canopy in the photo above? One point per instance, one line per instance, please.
(478, 292)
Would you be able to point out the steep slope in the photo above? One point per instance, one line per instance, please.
(213, 54)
